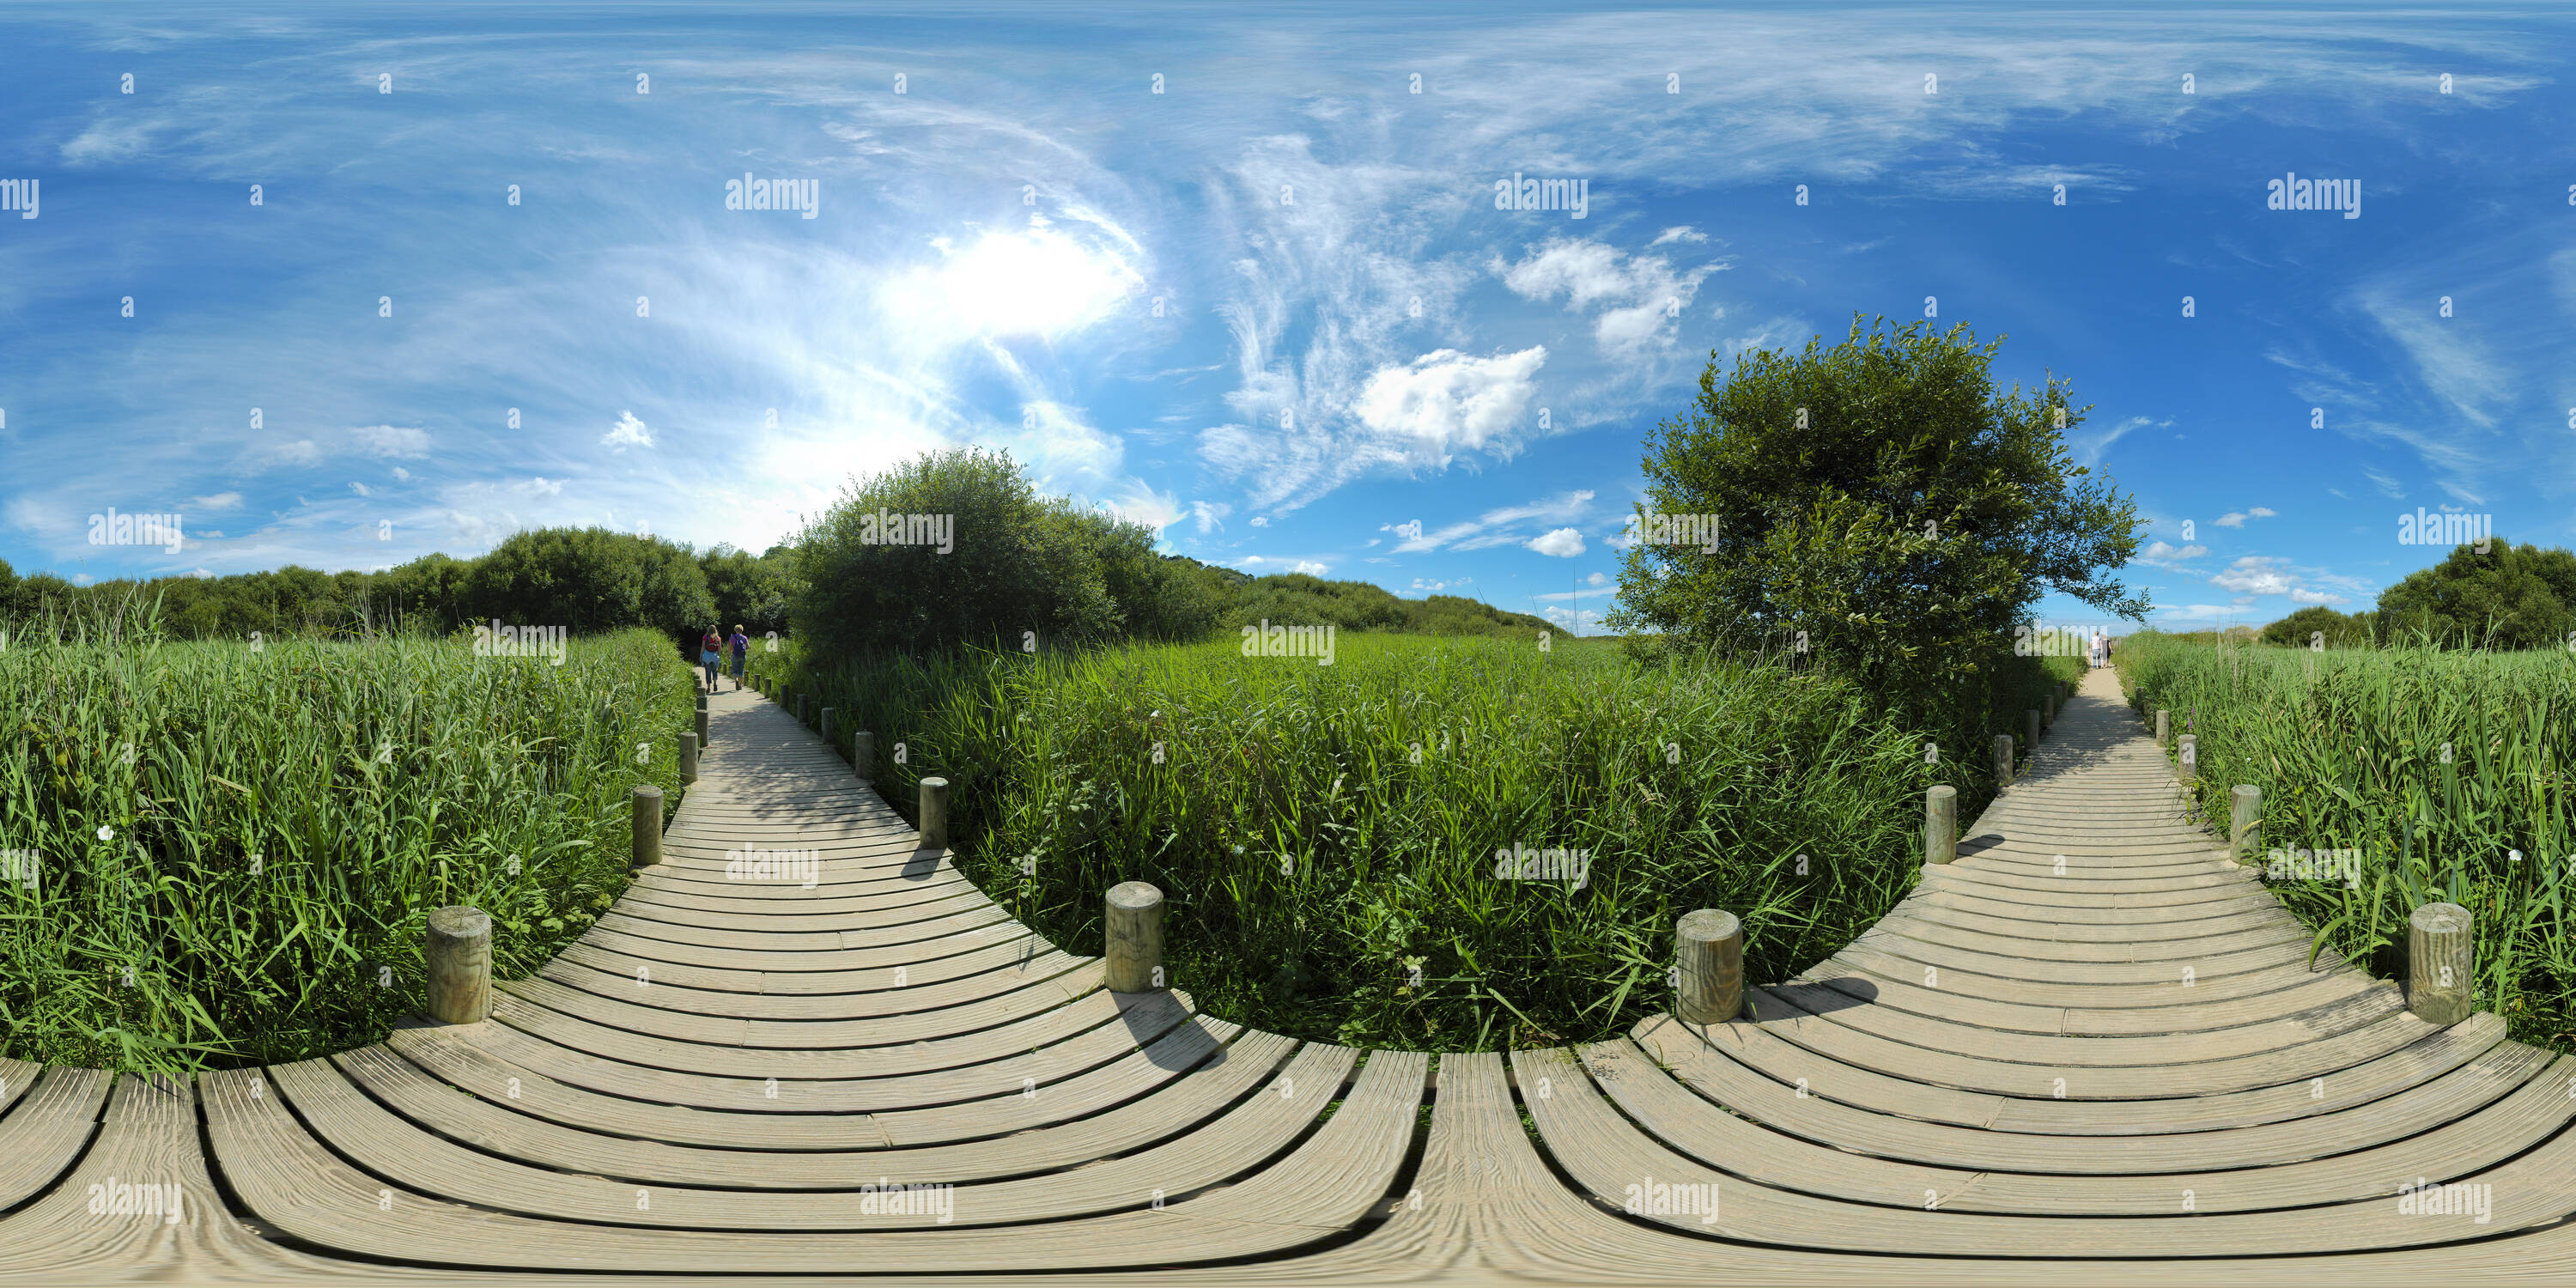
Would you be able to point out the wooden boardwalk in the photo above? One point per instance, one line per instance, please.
(2028, 1072)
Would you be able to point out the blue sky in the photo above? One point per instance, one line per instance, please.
(1271, 310)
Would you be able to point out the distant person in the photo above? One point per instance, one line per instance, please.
(709, 659)
(741, 654)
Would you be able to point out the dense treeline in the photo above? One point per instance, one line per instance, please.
(959, 548)
(1013, 562)
(589, 580)
(2510, 597)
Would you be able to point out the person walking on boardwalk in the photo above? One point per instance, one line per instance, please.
(741, 644)
(709, 659)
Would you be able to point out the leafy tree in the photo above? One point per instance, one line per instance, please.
(1883, 498)
(2511, 597)
(2341, 630)
(750, 590)
(8, 589)
(1015, 562)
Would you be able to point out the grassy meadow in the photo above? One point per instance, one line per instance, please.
(1326, 836)
(234, 848)
(2439, 766)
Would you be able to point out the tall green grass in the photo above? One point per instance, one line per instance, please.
(1310, 864)
(371, 781)
(2437, 765)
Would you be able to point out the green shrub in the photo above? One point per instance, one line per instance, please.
(1204, 772)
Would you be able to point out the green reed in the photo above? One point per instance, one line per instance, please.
(237, 848)
(2439, 766)
(1321, 834)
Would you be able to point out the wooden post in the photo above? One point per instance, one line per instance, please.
(1940, 824)
(2189, 761)
(2164, 726)
(825, 728)
(863, 754)
(2440, 963)
(2031, 721)
(459, 948)
(688, 759)
(702, 724)
(2244, 820)
(934, 813)
(1708, 951)
(2003, 761)
(648, 825)
(804, 708)
(1135, 938)
(2048, 709)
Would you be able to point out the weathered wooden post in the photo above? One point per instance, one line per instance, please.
(825, 728)
(688, 759)
(2003, 761)
(648, 825)
(863, 754)
(805, 708)
(2031, 722)
(2048, 710)
(1135, 937)
(1940, 824)
(702, 718)
(2189, 760)
(2440, 963)
(934, 813)
(2244, 820)
(459, 949)
(2164, 726)
(1708, 952)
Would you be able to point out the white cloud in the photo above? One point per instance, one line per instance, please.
(1563, 543)
(2271, 575)
(1445, 401)
(219, 501)
(401, 475)
(392, 441)
(627, 432)
(1261, 520)
(1638, 294)
(1210, 515)
(541, 484)
(2089, 444)
(1310, 568)
(2233, 519)
(1684, 233)
(2161, 555)
(359, 488)
(1492, 528)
